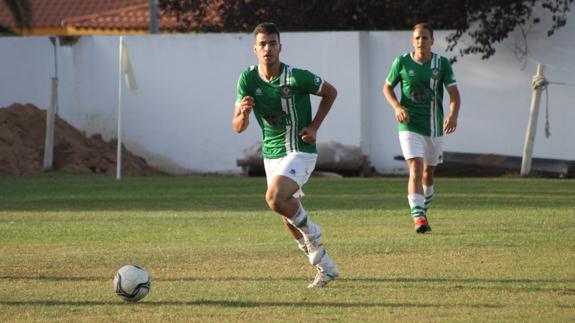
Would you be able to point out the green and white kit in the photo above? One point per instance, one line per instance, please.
(422, 91)
(282, 107)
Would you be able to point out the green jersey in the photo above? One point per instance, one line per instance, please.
(282, 107)
(422, 91)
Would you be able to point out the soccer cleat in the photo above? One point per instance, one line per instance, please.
(323, 278)
(421, 224)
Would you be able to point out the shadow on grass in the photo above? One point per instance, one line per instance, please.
(244, 304)
(351, 279)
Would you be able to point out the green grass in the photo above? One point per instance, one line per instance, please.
(502, 249)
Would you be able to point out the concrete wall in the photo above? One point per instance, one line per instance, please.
(181, 118)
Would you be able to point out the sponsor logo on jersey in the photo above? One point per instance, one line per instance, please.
(277, 119)
(286, 91)
(259, 91)
(292, 171)
(435, 73)
(420, 93)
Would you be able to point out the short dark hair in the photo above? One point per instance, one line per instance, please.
(268, 28)
(424, 25)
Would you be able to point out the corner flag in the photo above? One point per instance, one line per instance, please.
(126, 71)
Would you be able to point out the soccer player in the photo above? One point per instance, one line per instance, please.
(422, 75)
(279, 96)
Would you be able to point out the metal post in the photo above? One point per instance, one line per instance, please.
(154, 26)
(119, 134)
(538, 84)
(50, 119)
(51, 113)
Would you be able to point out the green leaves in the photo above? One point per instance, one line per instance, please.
(486, 22)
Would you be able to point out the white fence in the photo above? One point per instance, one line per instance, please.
(181, 118)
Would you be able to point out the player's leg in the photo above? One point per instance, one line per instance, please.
(413, 148)
(272, 169)
(433, 157)
(326, 272)
(296, 234)
(326, 269)
(415, 187)
(428, 173)
(279, 197)
(290, 170)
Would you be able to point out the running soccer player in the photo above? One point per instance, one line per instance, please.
(279, 96)
(422, 75)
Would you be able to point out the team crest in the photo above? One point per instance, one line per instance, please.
(286, 91)
(317, 80)
(411, 73)
(259, 91)
(435, 73)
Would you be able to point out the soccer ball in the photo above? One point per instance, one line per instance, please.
(132, 283)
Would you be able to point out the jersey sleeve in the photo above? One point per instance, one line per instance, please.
(242, 88)
(448, 75)
(309, 82)
(394, 75)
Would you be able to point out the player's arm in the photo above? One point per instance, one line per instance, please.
(450, 123)
(242, 111)
(328, 94)
(400, 113)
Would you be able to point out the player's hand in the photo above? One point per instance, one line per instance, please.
(449, 124)
(401, 115)
(308, 135)
(246, 105)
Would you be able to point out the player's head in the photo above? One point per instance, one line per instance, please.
(268, 28)
(267, 43)
(422, 37)
(425, 26)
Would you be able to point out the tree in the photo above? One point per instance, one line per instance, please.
(21, 11)
(308, 15)
(487, 22)
(491, 21)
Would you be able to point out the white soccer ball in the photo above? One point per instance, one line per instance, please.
(132, 283)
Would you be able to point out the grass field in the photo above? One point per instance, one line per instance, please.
(502, 249)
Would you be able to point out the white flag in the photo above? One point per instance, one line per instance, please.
(127, 69)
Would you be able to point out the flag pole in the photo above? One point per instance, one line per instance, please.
(119, 139)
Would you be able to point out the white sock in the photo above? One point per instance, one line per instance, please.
(301, 245)
(417, 204)
(304, 224)
(326, 265)
(428, 193)
(300, 218)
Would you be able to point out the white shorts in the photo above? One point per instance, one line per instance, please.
(414, 145)
(297, 166)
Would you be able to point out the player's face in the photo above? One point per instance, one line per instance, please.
(422, 41)
(267, 48)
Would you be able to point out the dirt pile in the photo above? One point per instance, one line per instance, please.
(22, 136)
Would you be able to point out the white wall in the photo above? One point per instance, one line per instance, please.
(181, 118)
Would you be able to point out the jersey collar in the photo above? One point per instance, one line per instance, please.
(282, 71)
(418, 62)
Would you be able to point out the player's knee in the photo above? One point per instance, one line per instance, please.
(273, 200)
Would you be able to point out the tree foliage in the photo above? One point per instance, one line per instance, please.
(491, 21)
(486, 22)
(21, 11)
